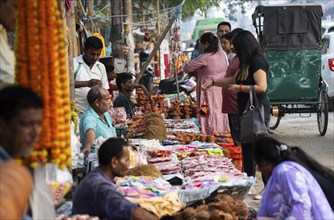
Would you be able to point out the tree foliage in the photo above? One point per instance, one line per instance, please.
(192, 6)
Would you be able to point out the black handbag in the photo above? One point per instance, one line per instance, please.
(252, 125)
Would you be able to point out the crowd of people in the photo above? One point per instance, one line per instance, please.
(226, 65)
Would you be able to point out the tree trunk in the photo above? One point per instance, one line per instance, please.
(116, 29)
(90, 11)
(128, 35)
(72, 44)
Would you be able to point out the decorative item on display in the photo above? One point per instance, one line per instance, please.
(204, 110)
(147, 36)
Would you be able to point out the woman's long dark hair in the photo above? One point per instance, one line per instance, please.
(269, 149)
(246, 48)
(212, 40)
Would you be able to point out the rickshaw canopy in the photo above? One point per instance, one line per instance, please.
(288, 27)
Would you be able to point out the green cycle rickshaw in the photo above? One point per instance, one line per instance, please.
(291, 38)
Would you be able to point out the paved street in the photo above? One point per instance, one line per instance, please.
(303, 132)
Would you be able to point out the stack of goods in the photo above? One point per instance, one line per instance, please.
(151, 126)
(150, 103)
(222, 207)
(144, 170)
(224, 139)
(118, 114)
(194, 167)
(235, 153)
(165, 162)
(175, 110)
(196, 149)
(143, 187)
(182, 97)
(159, 100)
(144, 144)
(143, 100)
(185, 109)
(186, 136)
(182, 125)
(207, 174)
(156, 195)
(183, 137)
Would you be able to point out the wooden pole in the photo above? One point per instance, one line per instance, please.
(116, 29)
(72, 44)
(128, 35)
(91, 13)
(156, 47)
(158, 20)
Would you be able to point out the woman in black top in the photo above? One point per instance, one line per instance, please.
(253, 71)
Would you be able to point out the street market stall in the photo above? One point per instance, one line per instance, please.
(169, 149)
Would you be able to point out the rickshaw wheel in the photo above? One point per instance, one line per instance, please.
(274, 122)
(322, 114)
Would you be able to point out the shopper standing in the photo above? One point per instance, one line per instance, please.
(210, 65)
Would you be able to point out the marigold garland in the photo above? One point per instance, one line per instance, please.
(42, 65)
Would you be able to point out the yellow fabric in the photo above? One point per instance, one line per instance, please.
(132, 158)
(103, 52)
(7, 60)
(167, 205)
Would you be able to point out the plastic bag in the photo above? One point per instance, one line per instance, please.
(59, 180)
(118, 114)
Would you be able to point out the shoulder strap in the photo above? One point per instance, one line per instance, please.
(251, 93)
(255, 101)
(98, 66)
(76, 71)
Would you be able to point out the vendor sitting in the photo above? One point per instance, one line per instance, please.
(125, 85)
(96, 121)
(96, 195)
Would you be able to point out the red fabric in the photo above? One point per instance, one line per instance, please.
(156, 65)
(166, 61)
(230, 105)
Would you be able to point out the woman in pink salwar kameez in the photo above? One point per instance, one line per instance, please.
(211, 64)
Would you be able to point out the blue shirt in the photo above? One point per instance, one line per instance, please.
(90, 119)
(96, 195)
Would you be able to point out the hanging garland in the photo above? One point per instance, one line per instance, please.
(41, 64)
(175, 45)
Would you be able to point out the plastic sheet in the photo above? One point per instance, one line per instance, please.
(190, 196)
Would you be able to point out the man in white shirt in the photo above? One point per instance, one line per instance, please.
(222, 28)
(89, 72)
(7, 58)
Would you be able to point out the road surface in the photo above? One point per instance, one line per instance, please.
(302, 131)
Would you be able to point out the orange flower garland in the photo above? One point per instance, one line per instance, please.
(41, 64)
